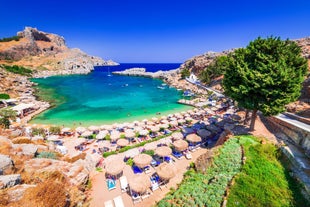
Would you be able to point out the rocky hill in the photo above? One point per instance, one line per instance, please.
(47, 54)
(302, 106)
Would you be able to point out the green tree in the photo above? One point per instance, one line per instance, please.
(265, 76)
(214, 70)
(185, 73)
(5, 116)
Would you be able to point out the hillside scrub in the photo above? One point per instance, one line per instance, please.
(264, 181)
(208, 189)
(4, 96)
(18, 70)
(8, 39)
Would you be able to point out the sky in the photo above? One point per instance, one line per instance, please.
(142, 31)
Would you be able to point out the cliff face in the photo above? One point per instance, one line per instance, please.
(47, 54)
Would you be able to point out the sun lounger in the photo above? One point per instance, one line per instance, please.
(111, 184)
(146, 195)
(118, 201)
(124, 183)
(136, 169)
(135, 197)
(108, 203)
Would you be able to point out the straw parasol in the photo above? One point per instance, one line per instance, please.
(53, 137)
(115, 135)
(132, 152)
(142, 160)
(181, 121)
(174, 123)
(137, 129)
(122, 142)
(144, 132)
(166, 171)
(66, 129)
(163, 151)
(154, 119)
(129, 133)
(164, 121)
(114, 167)
(140, 183)
(173, 119)
(165, 126)
(177, 135)
(93, 128)
(180, 145)
(203, 133)
(193, 138)
(155, 128)
(80, 129)
(86, 134)
(102, 134)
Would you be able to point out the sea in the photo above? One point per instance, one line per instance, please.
(103, 98)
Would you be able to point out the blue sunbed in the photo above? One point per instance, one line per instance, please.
(136, 169)
(111, 184)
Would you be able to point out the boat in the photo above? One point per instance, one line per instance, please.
(160, 87)
(109, 73)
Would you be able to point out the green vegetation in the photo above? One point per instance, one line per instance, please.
(185, 73)
(98, 169)
(54, 130)
(265, 76)
(8, 39)
(38, 131)
(214, 70)
(130, 162)
(198, 189)
(264, 181)
(107, 154)
(18, 70)
(149, 152)
(4, 96)
(5, 116)
(49, 155)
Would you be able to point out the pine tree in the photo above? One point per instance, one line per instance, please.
(265, 76)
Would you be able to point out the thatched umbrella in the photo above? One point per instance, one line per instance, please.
(129, 133)
(138, 128)
(114, 166)
(102, 134)
(165, 126)
(115, 135)
(53, 137)
(122, 142)
(150, 146)
(144, 132)
(163, 151)
(166, 171)
(177, 135)
(150, 123)
(164, 121)
(155, 128)
(86, 134)
(66, 129)
(154, 119)
(142, 160)
(93, 128)
(174, 123)
(140, 183)
(203, 133)
(80, 129)
(180, 145)
(181, 121)
(132, 152)
(193, 138)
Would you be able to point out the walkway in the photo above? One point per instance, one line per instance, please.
(294, 122)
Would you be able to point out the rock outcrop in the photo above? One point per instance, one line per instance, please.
(7, 181)
(47, 54)
(142, 72)
(76, 173)
(6, 164)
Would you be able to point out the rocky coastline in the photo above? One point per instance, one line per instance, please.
(142, 72)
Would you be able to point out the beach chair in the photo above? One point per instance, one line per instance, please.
(118, 201)
(136, 198)
(136, 169)
(111, 184)
(124, 183)
(108, 203)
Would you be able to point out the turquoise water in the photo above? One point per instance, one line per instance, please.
(97, 98)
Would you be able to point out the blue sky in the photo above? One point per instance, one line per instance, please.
(158, 30)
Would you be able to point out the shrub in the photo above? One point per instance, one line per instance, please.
(8, 39)
(149, 152)
(4, 96)
(185, 73)
(18, 70)
(54, 130)
(107, 154)
(38, 131)
(130, 162)
(49, 155)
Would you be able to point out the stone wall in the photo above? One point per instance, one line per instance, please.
(290, 133)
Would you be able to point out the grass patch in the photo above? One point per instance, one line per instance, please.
(264, 181)
(4, 96)
(9, 39)
(207, 189)
(18, 70)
